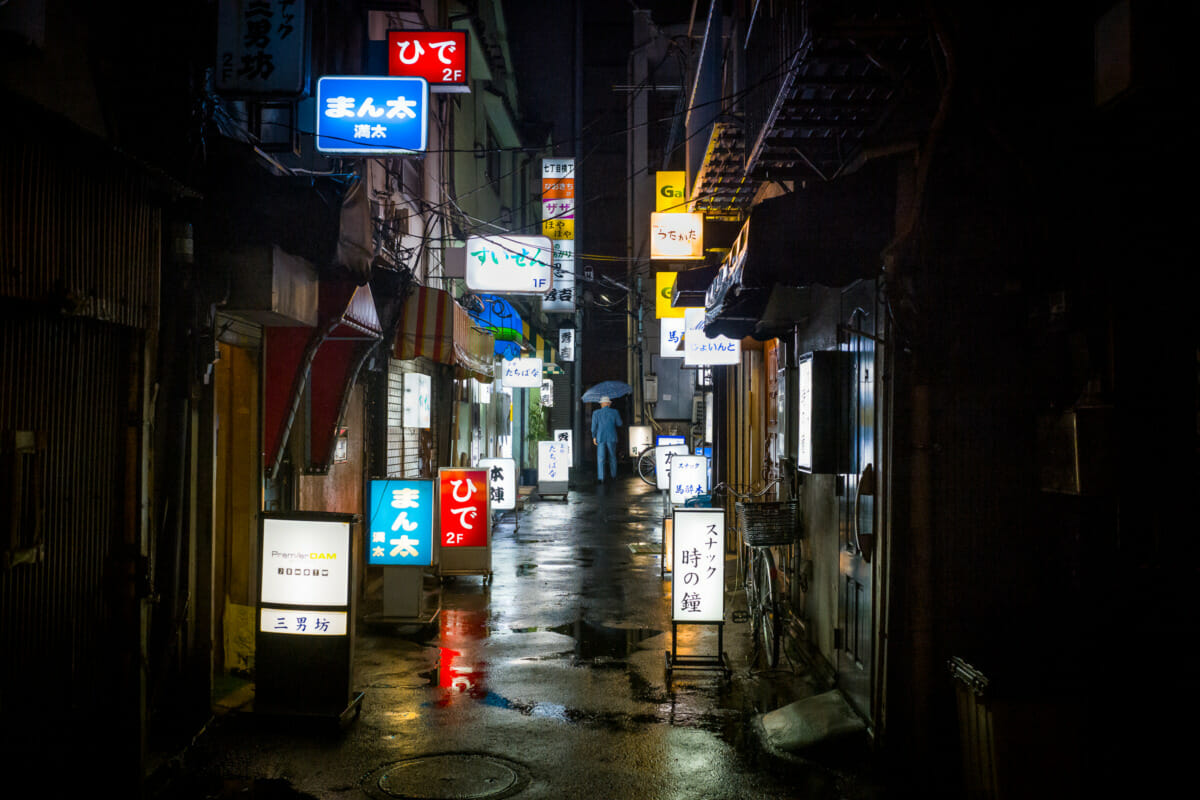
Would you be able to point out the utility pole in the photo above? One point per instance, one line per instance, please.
(577, 436)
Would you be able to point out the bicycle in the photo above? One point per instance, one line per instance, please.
(646, 468)
(763, 524)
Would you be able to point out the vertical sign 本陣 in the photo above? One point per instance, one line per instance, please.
(401, 529)
(502, 482)
(463, 510)
(698, 565)
(558, 223)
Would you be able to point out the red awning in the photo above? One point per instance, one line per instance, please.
(325, 361)
(435, 326)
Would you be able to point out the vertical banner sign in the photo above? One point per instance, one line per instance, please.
(554, 459)
(804, 417)
(440, 57)
(689, 478)
(463, 508)
(698, 565)
(401, 529)
(502, 482)
(262, 47)
(558, 223)
(566, 344)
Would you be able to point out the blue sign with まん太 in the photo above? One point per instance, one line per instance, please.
(372, 115)
(401, 529)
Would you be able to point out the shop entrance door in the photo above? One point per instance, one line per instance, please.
(856, 508)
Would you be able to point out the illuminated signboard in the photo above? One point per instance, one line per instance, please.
(698, 565)
(663, 455)
(670, 337)
(502, 482)
(561, 298)
(703, 350)
(416, 403)
(663, 282)
(303, 622)
(640, 438)
(671, 191)
(440, 57)
(305, 562)
(372, 115)
(558, 223)
(521, 373)
(509, 264)
(554, 459)
(401, 523)
(689, 477)
(463, 510)
(676, 236)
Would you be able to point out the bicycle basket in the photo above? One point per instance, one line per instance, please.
(766, 524)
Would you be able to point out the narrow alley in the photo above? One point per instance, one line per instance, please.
(546, 680)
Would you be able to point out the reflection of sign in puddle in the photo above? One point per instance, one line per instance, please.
(600, 643)
(645, 547)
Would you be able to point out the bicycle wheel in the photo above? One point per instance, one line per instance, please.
(646, 468)
(767, 622)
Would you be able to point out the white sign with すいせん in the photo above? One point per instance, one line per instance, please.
(509, 264)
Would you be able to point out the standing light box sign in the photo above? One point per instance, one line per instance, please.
(440, 57)
(372, 115)
(676, 236)
(416, 404)
(509, 264)
(502, 482)
(663, 456)
(401, 523)
(521, 373)
(700, 349)
(554, 461)
(305, 562)
(640, 437)
(689, 478)
(698, 565)
(463, 508)
(671, 337)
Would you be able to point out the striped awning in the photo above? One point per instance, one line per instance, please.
(435, 326)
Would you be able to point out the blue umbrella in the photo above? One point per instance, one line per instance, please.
(609, 389)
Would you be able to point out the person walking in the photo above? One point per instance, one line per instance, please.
(605, 422)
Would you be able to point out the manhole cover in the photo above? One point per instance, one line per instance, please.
(451, 776)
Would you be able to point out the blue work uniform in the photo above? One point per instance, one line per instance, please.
(605, 422)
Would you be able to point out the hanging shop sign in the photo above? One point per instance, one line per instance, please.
(698, 565)
(689, 478)
(509, 264)
(521, 373)
(676, 236)
(547, 393)
(502, 482)
(416, 404)
(554, 460)
(663, 283)
(670, 191)
(401, 523)
(440, 57)
(262, 47)
(700, 349)
(558, 223)
(670, 337)
(463, 507)
(566, 344)
(372, 115)
(563, 437)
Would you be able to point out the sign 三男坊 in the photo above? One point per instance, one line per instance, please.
(440, 57)
(401, 529)
(372, 115)
(305, 562)
(262, 47)
(509, 264)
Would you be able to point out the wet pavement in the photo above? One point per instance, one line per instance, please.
(546, 679)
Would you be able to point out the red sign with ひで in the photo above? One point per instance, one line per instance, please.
(464, 507)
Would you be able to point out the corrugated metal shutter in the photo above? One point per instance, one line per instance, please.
(404, 441)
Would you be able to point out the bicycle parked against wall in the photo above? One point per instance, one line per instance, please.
(764, 524)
